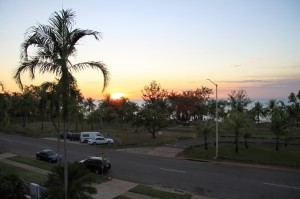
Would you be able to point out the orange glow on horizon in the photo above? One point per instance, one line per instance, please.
(117, 95)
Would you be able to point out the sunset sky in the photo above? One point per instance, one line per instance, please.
(238, 44)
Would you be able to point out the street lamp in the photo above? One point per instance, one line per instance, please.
(217, 119)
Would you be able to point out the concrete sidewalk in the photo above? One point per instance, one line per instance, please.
(113, 188)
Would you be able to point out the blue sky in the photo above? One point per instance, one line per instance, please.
(251, 45)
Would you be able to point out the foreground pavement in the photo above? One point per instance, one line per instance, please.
(107, 190)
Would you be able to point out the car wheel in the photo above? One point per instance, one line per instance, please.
(38, 158)
(108, 142)
(94, 143)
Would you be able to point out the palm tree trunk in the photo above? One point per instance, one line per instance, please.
(286, 141)
(236, 143)
(277, 143)
(42, 127)
(246, 143)
(65, 160)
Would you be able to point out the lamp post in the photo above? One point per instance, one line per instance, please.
(217, 119)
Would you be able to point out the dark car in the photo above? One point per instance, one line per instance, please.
(97, 164)
(48, 155)
(61, 135)
(74, 137)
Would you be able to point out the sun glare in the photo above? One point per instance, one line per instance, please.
(117, 95)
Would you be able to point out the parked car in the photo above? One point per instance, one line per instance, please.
(85, 136)
(61, 135)
(48, 155)
(97, 164)
(75, 137)
(100, 140)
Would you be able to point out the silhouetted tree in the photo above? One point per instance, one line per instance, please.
(55, 44)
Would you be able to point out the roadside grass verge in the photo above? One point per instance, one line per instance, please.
(149, 191)
(35, 163)
(125, 135)
(122, 197)
(256, 153)
(98, 179)
(23, 173)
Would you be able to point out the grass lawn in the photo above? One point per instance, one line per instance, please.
(124, 135)
(32, 162)
(261, 153)
(149, 191)
(122, 197)
(23, 173)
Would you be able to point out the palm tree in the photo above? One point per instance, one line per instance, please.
(239, 100)
(240, 124)
(55, 43)
(11, 187)
(79, 183)
(5, 104)
(205, 128)
(279, 124)
(258, 111)
(2, 86)
(89, 105)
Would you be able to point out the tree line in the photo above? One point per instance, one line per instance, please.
(159, 109)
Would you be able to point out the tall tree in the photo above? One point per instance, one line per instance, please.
(294, 108)
(5, 104)
(55, 44)
(190, 103)
(258, 111)
(89, 105)
(239, 100)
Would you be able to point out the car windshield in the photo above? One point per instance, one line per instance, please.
(50, 153)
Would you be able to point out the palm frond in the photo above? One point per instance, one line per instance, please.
(94, 65)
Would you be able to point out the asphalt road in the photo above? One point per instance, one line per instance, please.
(211, 179)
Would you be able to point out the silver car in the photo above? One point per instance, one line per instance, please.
(100, 140)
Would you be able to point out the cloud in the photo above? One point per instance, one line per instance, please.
(235, 66)
(246, 81)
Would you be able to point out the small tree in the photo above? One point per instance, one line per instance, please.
(152, 120)
(78, 186)
(11, 187)
(239, 123)
(279, 124)
(205, 128)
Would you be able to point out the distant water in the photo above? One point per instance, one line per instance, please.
(263, 101)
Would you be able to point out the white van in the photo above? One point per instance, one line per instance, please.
(85, 136)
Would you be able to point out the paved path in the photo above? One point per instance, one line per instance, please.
(113, 188)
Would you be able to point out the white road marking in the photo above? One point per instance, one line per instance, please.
(172, 170)
(284, 186)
